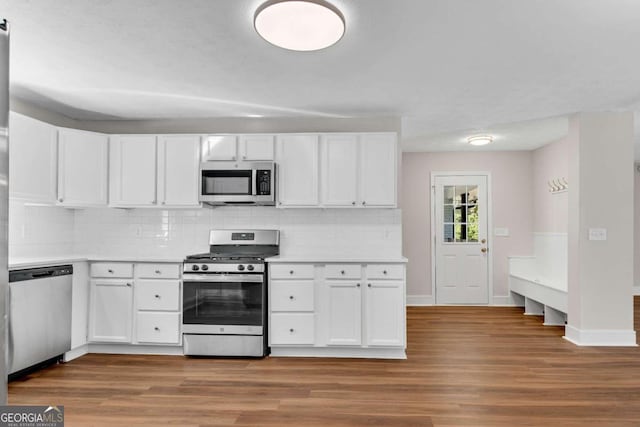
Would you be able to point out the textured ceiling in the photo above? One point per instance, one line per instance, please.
(444, 66)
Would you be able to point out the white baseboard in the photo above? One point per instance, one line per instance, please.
(136, 349)
(636, 290)
(420, 300)
(74, 353)
(365, 353)
(504, 301)
(600, 337)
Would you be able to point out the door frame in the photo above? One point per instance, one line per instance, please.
(490, 237)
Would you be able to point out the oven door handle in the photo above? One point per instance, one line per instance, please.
(212, 278)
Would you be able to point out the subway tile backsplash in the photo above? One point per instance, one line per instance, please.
(42, 231)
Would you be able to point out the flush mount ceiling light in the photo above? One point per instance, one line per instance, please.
(302, 25)
(480, 139)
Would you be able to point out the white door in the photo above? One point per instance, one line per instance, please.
(344, 303)
(82, 168)
(132, 166)
(378, 169)
(219, 147)
(385, 312)
(339, 170)
(178, 170)
(297, 159)
(256, 147)
(111, 311)
(461, 247)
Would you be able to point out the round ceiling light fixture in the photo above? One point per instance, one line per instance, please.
(480, 139)
(302, 25)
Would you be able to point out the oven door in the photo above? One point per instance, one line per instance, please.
(231, 304)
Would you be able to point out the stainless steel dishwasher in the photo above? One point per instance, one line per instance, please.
(39, 316)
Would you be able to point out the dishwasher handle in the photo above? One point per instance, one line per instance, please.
(39, 273)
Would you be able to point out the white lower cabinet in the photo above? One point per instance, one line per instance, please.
(110, 310)
(132, 308)
(340, 310)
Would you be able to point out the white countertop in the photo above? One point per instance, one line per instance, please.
(336, 259)
(28, 262)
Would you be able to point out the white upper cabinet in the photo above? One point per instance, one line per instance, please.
(132, 170)
(358, 170)
(250, 147)
(378, 174)
(339, 170)
(178, 170)
(220, 147)
(82, 168)
(256, 147)
(33, 159)
(150, 171)
(297, 163)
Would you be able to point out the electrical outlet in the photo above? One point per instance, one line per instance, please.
(501, 232)
(597, 234)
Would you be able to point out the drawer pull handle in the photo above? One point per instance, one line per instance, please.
(110, 271)
(158, 271)
(291, 330)
(384, 272)
(342, 272)
(290, 296)
(129, 284)
(358, 285)
(290, 271)
(156, 329)
(369, 285)
(157, 296)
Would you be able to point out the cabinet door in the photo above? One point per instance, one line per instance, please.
(297, 162)
(378, 170)
(79, 304)
(132, 169)
(219, 147)
(178, 169)
(111, 311)
(385, 312)
(256, 147)
(343, 313)
(82, 168)
(33, 160)
(339, 170)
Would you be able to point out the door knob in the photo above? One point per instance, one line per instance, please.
(483, 241)
(484, 250)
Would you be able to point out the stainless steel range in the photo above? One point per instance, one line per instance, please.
(225, 294)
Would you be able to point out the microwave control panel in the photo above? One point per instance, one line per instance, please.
(263, 186)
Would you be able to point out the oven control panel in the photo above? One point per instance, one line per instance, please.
(222, 268)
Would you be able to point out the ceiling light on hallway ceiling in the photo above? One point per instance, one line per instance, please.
(480, 139)
(302, 25)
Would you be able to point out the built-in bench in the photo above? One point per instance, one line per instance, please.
(539, 283)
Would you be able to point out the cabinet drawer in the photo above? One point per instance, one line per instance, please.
(385, 271)
(161, 295)
(158, 328)
(158, 271)
(343, 271)
(292, 296)
(292, 271)
(112, 269)
(292, 328)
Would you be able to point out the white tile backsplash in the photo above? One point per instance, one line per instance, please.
(176, 233)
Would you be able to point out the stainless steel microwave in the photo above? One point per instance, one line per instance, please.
(248, 183)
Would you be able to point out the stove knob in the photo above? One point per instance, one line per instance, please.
(195, 268)
(250, 267)
(205, 267)
(241, 267)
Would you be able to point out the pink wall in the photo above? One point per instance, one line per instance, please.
(550, 210)
(511, 177)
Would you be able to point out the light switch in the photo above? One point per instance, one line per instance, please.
(597, 234)
(501, 232)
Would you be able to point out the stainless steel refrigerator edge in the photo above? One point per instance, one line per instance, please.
(4, 202)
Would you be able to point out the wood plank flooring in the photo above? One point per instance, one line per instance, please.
(467, 366)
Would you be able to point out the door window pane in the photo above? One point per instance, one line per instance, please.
(448, 213)
(460, 219)
(449, 191)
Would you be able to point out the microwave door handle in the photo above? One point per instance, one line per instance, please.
(254, 181)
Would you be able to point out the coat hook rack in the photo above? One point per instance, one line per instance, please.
(558, 185)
